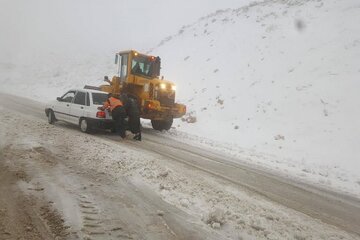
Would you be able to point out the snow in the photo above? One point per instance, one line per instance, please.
(277, 80)
(272, 83)
(230, 209)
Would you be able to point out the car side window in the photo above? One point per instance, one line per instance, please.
(80, 98)
(68, 97)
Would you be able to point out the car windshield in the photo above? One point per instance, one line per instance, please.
(99, 98)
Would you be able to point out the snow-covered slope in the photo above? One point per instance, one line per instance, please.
(280, 77)
(273, 82)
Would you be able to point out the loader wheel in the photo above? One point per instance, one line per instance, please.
(161, 124)
(51, 117)
(156, 125)
(167, 124)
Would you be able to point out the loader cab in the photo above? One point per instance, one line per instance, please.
(132, 63)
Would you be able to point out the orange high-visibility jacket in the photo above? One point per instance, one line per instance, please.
(112, 103)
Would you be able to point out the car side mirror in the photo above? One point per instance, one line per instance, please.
(59, 99)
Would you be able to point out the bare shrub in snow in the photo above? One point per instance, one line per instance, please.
(163, 174)
(216, 216)
(189, 118)
(299, 237)
(279, 137)
(184, 202)
(257, 227)
(160, 213)
(216, 225)
(300, 25)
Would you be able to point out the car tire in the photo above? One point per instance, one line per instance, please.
(51, 117)
(84, 125)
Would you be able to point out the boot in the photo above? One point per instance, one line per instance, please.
(137, 137)
(123, 135)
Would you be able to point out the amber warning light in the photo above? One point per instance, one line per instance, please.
(150, 105)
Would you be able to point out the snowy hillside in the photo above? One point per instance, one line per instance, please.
(280, 77)
(274, 83)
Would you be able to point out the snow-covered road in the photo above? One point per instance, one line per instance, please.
(163, 189)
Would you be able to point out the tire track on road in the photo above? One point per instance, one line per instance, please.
(333, 208)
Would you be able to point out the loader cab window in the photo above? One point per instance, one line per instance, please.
(123, 67)
(145, 66)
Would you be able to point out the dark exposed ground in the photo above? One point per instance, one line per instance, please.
(25, 216)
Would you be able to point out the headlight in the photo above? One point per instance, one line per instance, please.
(162, 86)
(173, 87)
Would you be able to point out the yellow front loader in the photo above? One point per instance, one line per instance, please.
(138, 76)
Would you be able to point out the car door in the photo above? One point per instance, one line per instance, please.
(88, 108)
(77, 108)
(62, 108)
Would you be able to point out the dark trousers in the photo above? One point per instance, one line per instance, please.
(118, 115)
(134, 123)
(134, 116)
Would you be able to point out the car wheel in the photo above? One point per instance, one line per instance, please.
(51, 117)
(84, 125)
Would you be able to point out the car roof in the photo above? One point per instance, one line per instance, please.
(88, 90)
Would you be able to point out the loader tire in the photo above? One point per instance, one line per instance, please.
(161, 124)
(156, 125)
(168, 124)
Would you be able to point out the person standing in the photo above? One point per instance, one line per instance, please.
(118, 113)
(134, 119)
(133, 112)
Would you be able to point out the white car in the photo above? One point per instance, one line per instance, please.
(80, 107)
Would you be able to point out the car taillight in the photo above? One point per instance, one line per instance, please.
(101, 114)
